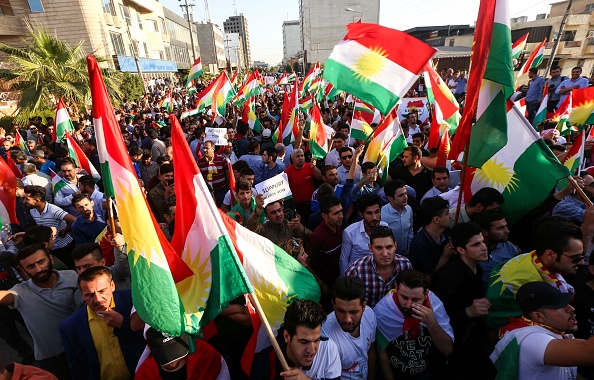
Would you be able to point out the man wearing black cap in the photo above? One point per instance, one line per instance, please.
(536, 345)
(170, 359)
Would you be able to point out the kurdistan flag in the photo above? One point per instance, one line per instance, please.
(195, 72)
(204, 98)
(445, 106)
(223, 92)
(575, 155)
(506, 355)
(249, 116)
(535, 58)
(561, 116)
(167, 103)
(582, 106)
(368, 59)
(292, 77)
(286, 133)
(387, 143)
(202, 241)
(360, 128)
(154, 266)
(318, 142)
(524, 169)
(188, 113)
(63, 122)
(249, 89)
(79, 157)
(541, 113)
(518, 46)
(57, 182)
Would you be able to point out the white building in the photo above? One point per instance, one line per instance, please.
(291, 40)
(323, 23)
(234, 50)
(212, 45)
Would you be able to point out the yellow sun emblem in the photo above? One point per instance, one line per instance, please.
(370, 64)
(496, 175)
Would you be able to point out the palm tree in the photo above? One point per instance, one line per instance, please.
(47, 69)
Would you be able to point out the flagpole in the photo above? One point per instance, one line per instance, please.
(110, 216)
(462, 180)
(559, 36)
(579, 190)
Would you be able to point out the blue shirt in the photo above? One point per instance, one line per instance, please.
(567, 83)
(534, 93)
(502, 252)
(85, 231)
(570, 208)
(255, 163)
(401, 225)
(461, 85)
(269, 173)
(47, 167)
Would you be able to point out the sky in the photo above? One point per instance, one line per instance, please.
(265, 17)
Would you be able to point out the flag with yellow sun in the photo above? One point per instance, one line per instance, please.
(375, 64)
(582, 107)
(318, 142)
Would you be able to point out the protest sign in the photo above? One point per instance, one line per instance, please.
(274, 188)
(217, 135)
(409, 104)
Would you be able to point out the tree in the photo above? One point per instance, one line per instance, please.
(132, 86)
(47, 69)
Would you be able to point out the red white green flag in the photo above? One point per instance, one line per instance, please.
(167, 103)
(7, 195)
(63, 123)
(561, 116)
(318, 142)
(286, 133)
(249, 89)
(518, 46)
(154, 266)
(360, 128)
(249, 116)
(445, 106)
(541, 114)
(80, 158)
(20, 142)
(292, 77)
(368, 60)
(582, 102)
(535, 58)
(575, 155)
(195, 72)
(222, 94)
(283, 79)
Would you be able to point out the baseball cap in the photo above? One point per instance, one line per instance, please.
(166, 348)
(266, 133)
(541, 295)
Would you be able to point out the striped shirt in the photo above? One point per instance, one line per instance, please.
(214, 172)
(53, 216)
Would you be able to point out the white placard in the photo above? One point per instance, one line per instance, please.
(409, 104)
(217, 135)
(274, 188)
(329, 131)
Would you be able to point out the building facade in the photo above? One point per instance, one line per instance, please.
(234, 51)
(180, 49)
(323, 23)
(291, 40)
(212, 46)
(239, 24)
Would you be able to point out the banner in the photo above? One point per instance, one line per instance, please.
(409, 104)
(274, 188)
(218, 135)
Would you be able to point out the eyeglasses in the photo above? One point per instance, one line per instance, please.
(345, 157)
(575, 258)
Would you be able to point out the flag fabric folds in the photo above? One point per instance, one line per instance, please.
(582, 106)
(80, 158)
(445, 106)
(518, 46)
(63, 122)
(535, 58)
(7, 195)
(318, 142)
(374, 64)
(195, 72)
(541, 113)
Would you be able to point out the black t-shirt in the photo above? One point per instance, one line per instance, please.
(409, 357)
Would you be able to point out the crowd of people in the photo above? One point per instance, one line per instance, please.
(415, 283)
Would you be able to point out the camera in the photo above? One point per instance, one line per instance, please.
(290, 213)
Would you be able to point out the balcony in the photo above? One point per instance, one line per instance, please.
(572, 44)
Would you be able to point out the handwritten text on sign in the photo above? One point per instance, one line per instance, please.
(274, 188)
(217, 135)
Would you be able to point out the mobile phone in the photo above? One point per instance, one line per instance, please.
(169, 182)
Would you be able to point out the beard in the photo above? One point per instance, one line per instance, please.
(44, 275)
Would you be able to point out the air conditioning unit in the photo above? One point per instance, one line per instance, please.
(108, 19)
(590, 34)
(117, 22)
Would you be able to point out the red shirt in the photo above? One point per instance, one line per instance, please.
(301, 182)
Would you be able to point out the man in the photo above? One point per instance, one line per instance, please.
(352, 327)
(245, 173)
(329, 176)
(270, 167)
(338, 142)
(418, 140)
(413, 173)
(553, 83)
(98, 340)
(367, 184)
(229, 154)
(576, 81)
(301, 181)
(63, 194)
(325, 243)
(253, 158)
(46, 166)
(242, 211)
(50, 215)
(458, 284)
(486, 198)
(494, 229)
(379, 269)
(89, 224)
(355, 238)
(276, 228)
(440, 177)
(157, 146)
(547, 349)
(460, 91)
(163, 192)
(215, 171)
(411, 319)
(171, 359)
(308, 353)
(534, 95)
(44, 301)
(87, 186)
(398, 215)
(32, 177)
(346, 161)
(430, 247)
(89, 255)
(559, 251)
(573, 207)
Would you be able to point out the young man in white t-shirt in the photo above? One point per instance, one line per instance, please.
(352, 327)
(546, 351)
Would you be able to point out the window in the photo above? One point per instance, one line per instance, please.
(5, 8)
(590, 41)
(163, 29)
(589, 8)
(126, 14)
(146, 54)
(118, 43)
(36, 6)
(168, 53)
(134, 48)
(151, 26)
(568, 35)
(108, 7)
(452, 42)
(139, 21)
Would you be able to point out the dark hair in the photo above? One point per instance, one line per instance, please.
(419, 136)
(36, 192)
(165, 168)
(367, 166)
(344, 149)
(327, 202)
(68, 161)
(487, 196)
(92, 273)
(326, 169)
(554, 234)
(37, 234)
(533, 70)
(83, 250)
(348, 288)
(485, 218)
(432, 207)
(368, 200)
(244, 185)
(440, 169)
(135, 151)
(239, 165)
(412, 279)
(271, 152)
(79, 197)
(380, 232)
(577, 68)
(28, 168)
(555, 67)
(303, 313)
(152, 133)
(87, 180)
(462, 232)
(246, 171)
(391, 187)
(253, 145)
(29, 250)
(340, 135)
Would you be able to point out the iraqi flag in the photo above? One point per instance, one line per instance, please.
(63, 124)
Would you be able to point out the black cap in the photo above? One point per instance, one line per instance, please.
(165, 348)
(541, 295)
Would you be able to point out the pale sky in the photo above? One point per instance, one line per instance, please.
(265, 17)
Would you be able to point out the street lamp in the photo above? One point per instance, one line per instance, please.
(352, 10)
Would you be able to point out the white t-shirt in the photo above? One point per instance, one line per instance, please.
(326, 364)
(532, 367)
(353, 351)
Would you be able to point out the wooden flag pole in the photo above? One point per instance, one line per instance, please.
(579, 190)
(110, 217)
(462, 180)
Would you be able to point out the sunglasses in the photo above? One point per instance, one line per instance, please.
(345, 157)
(576, 258)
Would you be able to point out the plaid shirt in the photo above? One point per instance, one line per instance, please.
(375, 286)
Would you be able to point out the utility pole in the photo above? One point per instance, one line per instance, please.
(134, 51)
(190, 25)
(227, 40)
(559, 36)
